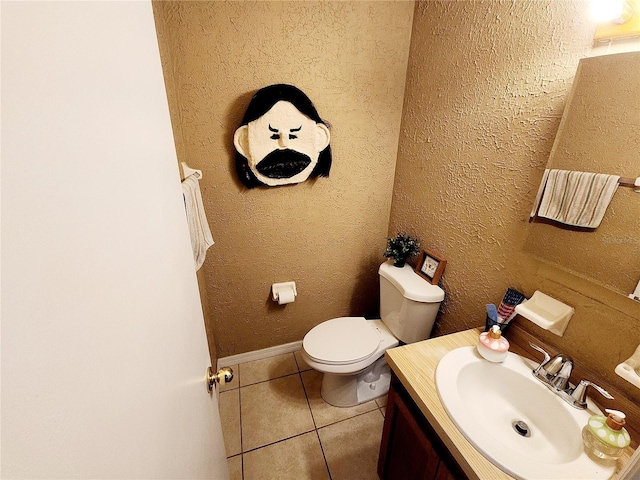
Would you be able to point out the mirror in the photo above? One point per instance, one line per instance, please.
(600, 133)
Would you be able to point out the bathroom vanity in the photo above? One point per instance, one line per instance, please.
(420, 441)
(410, 448)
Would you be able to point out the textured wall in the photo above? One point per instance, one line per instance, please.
(328, 235)
(486, 86)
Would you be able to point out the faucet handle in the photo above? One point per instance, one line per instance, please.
(544, 361)
(579, 394)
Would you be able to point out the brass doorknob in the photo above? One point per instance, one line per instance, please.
(222, 376)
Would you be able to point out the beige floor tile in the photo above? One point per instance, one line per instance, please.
(297, 458)
(351, 447)
(302, 365)
(273, 410)
(382, 401)
(323, 413)
(267, 369)
(235, 383)
(235, 467)
(229, 407)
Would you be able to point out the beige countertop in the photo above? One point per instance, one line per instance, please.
(415, 365)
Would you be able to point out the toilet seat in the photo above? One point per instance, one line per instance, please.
(342, 341)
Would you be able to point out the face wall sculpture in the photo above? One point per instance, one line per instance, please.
(282, 139)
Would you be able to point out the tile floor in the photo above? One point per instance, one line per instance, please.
(276, 426)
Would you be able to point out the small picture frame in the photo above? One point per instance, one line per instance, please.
(430, 267)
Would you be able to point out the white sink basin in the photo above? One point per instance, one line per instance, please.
(485, 400)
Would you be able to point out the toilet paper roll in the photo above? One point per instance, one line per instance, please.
(286, 296)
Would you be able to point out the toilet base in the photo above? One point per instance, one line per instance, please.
(351, 390)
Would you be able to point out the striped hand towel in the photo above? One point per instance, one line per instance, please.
(577, 198)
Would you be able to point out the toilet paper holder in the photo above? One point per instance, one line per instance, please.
(282, 292)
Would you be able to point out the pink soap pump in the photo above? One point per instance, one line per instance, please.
(492, 345)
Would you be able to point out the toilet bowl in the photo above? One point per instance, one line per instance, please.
(349, 351)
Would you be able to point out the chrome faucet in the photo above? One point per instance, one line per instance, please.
(555, 372)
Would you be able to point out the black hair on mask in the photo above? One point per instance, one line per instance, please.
(261, 103)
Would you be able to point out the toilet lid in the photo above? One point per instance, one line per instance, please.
(341, 340)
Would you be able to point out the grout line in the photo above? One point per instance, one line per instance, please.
(317, 432)
(306, 397)
(326, 462)
(295, 359)
(301, 368)
(350, 418)
(241, 463)
(269, 379)
(316, 429)
(279, 441)
(240, 415)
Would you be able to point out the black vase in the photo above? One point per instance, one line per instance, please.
(399, 262)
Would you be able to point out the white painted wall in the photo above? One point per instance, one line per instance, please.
(103, 341)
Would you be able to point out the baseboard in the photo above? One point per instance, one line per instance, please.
(259, 354)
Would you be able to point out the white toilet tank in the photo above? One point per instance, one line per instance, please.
(408, 303)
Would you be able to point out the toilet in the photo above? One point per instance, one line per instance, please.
(349, 351)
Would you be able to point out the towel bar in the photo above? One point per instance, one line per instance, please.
(629, 182)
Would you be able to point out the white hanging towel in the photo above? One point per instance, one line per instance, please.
(201, 238)
(575, 198)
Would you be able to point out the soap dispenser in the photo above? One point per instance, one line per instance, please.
(492, 345)
(606, 437)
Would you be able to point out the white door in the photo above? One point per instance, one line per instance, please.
(103, 342)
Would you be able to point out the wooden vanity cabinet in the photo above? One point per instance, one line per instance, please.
(410, 448)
